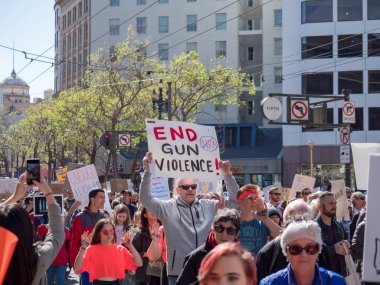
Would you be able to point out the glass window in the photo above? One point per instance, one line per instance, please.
(64, 47)
(373, 81)
(80, 9)
(64, 22)
(251, 24)
(191, 46)
(141, 2)
(114, 2)
(74, 40)
(358, 126)
(316, 11)
(373, 9)
(85, 32)
(163, 51)
(114, 27)
(317, 47)
(163, 24)
(85, 6)
(311, 83)
(351, 80)
(245, 136)
(230, 135)
(74, 14)
(278, 46)
(278, 18)
(220, 48)
(220, 19)
(251, 107)
(69, 44)
(350, 10)
(251, 53)
(250, 3)
(141, 25)
(350, 46)
(277, 74)
(191, 21)
(374, 118)
(79, 35)
(373, 44)
(69, 18)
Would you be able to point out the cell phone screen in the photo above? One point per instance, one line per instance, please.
(33, 168)
(225, 196)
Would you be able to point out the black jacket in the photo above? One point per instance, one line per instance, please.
(141, 242)
(192, 263)
(270, 259)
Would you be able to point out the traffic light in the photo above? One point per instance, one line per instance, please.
(105, 140)
(108, 138)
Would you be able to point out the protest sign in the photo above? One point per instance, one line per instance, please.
(8, 185)
(8, 242)
(338, 187)
(119, 184)
(207, 187)
(160, 187)
(82, 181)
(360, 153)
(300, 182)
(107, 205)
(183, 150)
(371, 257)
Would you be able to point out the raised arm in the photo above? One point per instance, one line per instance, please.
(20, 191)
(229, 179)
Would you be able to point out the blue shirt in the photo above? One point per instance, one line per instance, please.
(253, 235)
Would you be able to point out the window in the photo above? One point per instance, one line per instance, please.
(163, 1)
(316, 11)
(80, 11)
(141, 25)
(114, 2)
(80, 63)
(64, 22)
(191, 21)
(69, 44)
(351, 80)
(64, 47)
(74, 40)
(69, 19)
(350, 46)
(317, 47)
(74, 65)
(251, 53)
(220, 48)
(311, 83)
(114, 27)
(220, 19)
(163, 51)
(350, 10)
(358, 126)
(278, 18)
(64, 70)
(85, 32)
(251, 24)
(85, 59)
(191, 46)
(245, 136)
(163, 24)
(230, 135)
(373, 9)
(374, 118)
(85, 6)
(250, 107)
(80, 35)
(250, 3)
(74, 14)
(373, 44)
(277, 74)
(373, 81)
(141, 2)
(278, 46)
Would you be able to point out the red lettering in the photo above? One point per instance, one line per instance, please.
(158, 131)
(191, 135)
(179, 134)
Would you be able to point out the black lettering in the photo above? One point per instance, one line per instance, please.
(201, 163)
(194, 150)
(209, 169)
(177, 151)
(194, 165)
(174, 165)
(180, 165)
(166, 148)
(168, 163)
(159, 165)
(187, 168)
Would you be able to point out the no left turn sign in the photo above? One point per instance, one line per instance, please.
(124, 140)
(345, 135)
(299, 110)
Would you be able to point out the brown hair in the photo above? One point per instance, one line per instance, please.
(98, 228)
(120, 209)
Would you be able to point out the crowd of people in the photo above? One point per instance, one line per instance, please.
(189, 239)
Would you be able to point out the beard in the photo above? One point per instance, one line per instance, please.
(330, 214)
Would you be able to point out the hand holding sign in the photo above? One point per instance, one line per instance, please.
(225, 166)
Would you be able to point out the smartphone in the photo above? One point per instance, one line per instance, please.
(225, 196)
(33, 168)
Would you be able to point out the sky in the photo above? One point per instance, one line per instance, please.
(30, 25)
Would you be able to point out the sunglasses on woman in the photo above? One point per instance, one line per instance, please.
(311, 249)
(230, 230)
(110, 232)
(187, 187)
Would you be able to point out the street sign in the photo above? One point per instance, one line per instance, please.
(345, 135)
(299, 110)
(272, 108)
(124, 140)
(344, 154)
(348, 113)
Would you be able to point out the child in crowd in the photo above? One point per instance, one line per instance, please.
(121, 221)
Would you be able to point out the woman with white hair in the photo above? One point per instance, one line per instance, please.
(301, 242)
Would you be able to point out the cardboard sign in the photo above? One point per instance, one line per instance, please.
(8, 185)
(82, 181)
(183, 150)
(300, 182)
(119, 184)
(371, 257)
(338, 187)
(40, 206)
(57, 188)
(360, 154)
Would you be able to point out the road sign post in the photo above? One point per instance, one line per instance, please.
(124, 140)
(348, 113)
(345, 135)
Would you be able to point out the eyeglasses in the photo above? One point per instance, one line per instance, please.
(187, 187)
(108, 232)
(311, 249)
(230, 230)
(277, 194)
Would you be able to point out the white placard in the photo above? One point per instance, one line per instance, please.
(371, 257)
(300, 182)
(344, 154)
(183, 150)
(160, 188)
(82, 181)
(8, 185)
(338, 187)
(360, 154)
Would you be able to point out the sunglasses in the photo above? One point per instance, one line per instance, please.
(187, 187)
(277, 194)
(110, 232)
(230, 230)
(361, 198)
(311, 249)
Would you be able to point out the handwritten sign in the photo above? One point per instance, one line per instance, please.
(160, 188)
(8, 185)
(300, 182)
(82, 181)
(183, 150)
(338, 187)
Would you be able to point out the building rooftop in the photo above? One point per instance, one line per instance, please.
(13, 80)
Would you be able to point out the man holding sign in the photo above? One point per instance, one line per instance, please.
(186, 220)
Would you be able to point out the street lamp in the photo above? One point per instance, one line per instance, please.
(311, 144)
(161, 103)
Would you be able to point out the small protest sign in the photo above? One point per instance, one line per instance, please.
(82, 181)
(183, 150)
(207, 187)
(338, 187)
(160, 187)
(119, 184)
(40, 206)
(300, 182)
